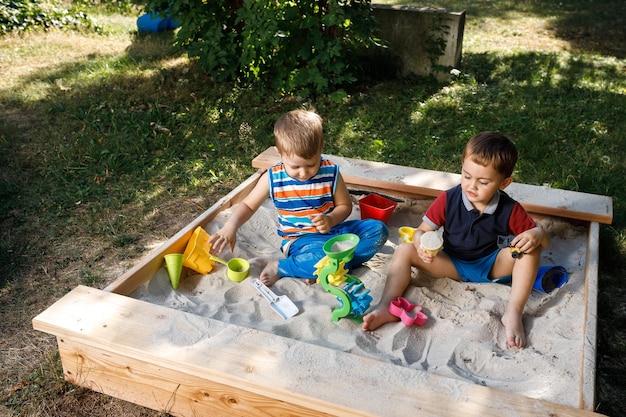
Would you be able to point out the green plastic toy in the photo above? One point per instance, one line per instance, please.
(353, 297)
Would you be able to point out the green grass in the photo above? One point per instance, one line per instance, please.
(110, 143)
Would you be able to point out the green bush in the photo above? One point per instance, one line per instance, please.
(305, 45)
(25, 15)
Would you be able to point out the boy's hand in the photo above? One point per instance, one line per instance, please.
(223, 238)
(529, 240)
(421, 252)
(321, 222)
(424, 256)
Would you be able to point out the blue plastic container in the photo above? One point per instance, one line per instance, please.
(550, 278)
(150, 23)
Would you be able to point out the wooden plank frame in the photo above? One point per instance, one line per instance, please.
(122, 346)
(384, 178)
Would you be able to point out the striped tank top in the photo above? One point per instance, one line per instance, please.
(296, 201)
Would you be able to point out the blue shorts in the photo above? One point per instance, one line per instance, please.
(304, 252)
(478, 270)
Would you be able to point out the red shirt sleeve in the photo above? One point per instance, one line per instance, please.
(436, 213)
(520, 220)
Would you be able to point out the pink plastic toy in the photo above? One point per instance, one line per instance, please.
(402, 308)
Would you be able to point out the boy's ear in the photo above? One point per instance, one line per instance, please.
(506, 182)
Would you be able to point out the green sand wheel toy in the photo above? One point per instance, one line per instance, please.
(353, 297)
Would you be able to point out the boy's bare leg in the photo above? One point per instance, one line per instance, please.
(399, 277)
(269, 275)
(398, 280)
(524, 275)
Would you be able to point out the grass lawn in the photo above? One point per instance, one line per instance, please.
(112, 142)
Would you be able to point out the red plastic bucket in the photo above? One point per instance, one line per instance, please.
(375, 206)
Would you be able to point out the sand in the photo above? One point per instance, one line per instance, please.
(462, 339)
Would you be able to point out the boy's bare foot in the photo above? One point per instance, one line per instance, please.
(515, 335)
(269, 275)
(377, 317)
(310, 281)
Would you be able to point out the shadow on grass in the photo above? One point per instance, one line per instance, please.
(589, 26)
(597, 27)
(176, 125)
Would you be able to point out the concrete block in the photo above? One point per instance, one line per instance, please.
(427, 41)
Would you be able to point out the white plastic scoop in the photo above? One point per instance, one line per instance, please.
(280, 304)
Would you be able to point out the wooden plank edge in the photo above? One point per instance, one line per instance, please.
(269, 157)
(86, 333)
(157, 377)
(411, 191)
(568, 214)
(588, 365)
(168, 390)
(149, 265)
(241, 360)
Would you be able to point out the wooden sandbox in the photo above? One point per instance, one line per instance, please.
(106, 338)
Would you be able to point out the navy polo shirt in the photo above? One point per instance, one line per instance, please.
(470, 235)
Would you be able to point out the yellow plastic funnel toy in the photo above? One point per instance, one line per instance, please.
(197, 255)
